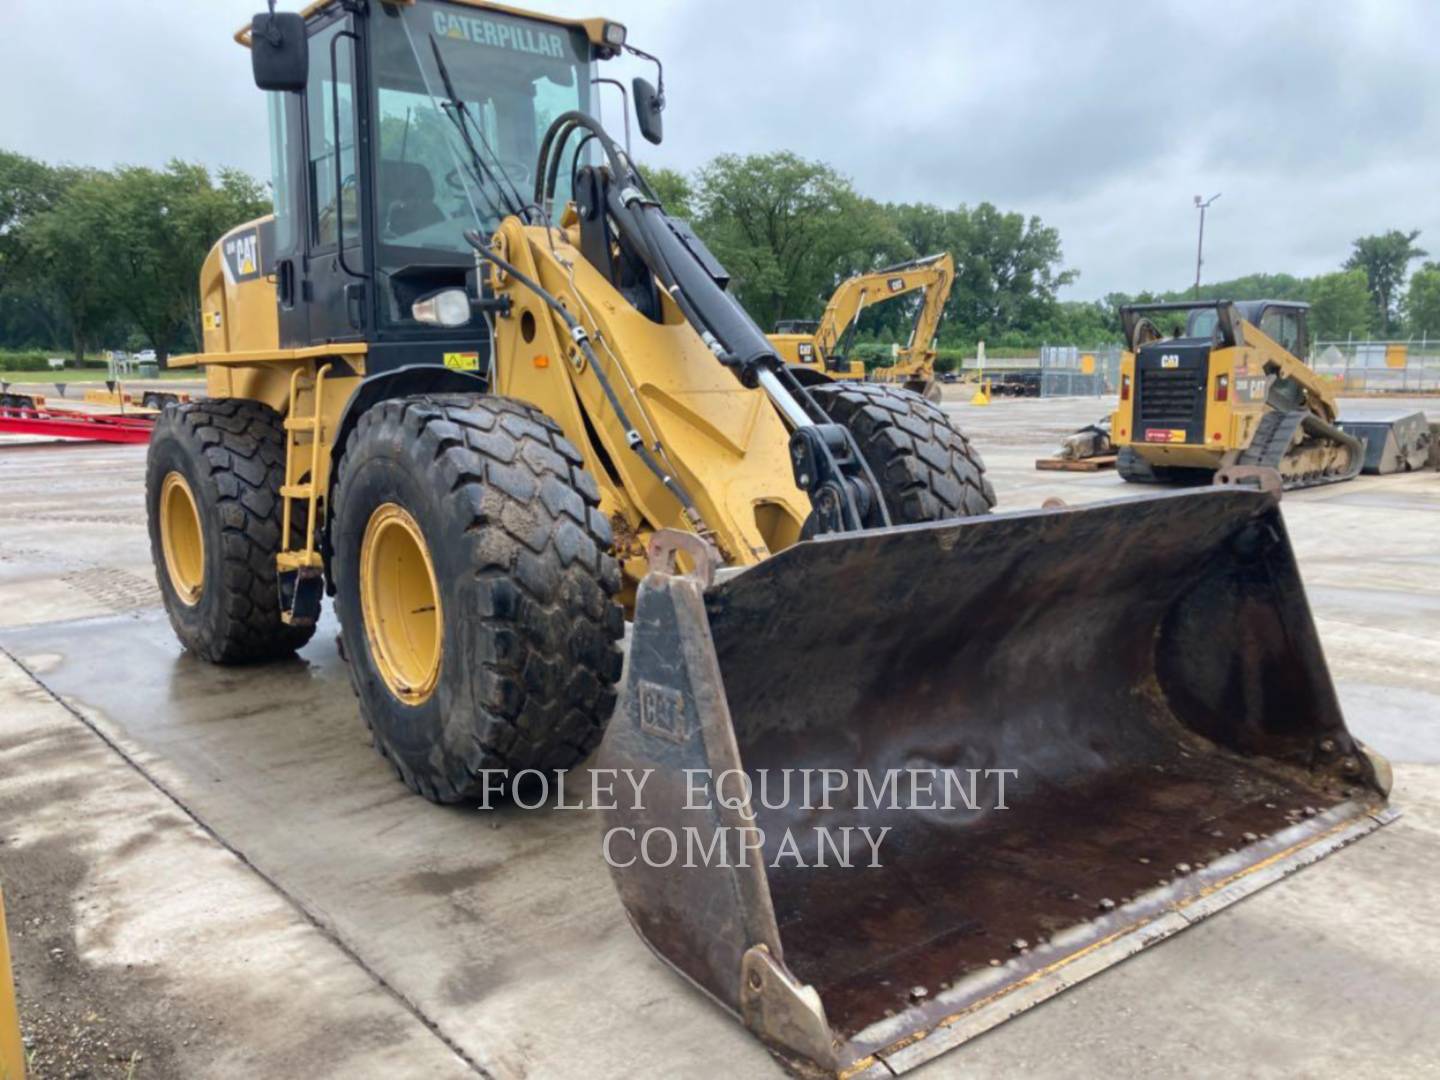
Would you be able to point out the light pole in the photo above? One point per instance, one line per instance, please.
(1202, 206)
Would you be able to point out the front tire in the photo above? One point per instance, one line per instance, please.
(212, 494)
(926, 467)
(475, 590)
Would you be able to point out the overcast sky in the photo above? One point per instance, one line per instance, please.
(1318, 122)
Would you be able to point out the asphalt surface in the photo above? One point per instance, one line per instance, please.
(236, 884)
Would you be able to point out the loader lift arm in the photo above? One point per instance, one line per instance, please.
(634, 243)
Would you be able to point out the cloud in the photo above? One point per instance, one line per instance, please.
(1318, 124)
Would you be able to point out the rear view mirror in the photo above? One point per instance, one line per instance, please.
(278, 53)
(647, 110)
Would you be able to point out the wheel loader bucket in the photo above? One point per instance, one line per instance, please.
(1035, 743)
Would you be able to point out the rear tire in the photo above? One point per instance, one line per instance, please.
(926, 468)
(516, 667)
(223, 461)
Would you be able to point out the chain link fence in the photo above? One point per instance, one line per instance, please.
(1379, 367)
(1070, 371)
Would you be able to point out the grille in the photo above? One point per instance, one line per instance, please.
(1170, 395)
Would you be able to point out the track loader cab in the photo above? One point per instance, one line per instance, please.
(1208, 385)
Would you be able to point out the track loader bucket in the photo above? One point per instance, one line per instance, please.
(1147, 674)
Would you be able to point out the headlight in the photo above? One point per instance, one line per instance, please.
(448, 307)
(614, 34)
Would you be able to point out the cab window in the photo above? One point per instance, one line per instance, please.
(1283, 326)
(1202, 323)
(332, 175)
(443, 167)
(283, 197)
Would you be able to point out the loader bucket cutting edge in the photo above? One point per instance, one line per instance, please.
(1148, 668)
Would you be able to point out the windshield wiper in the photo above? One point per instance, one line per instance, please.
(467, 127)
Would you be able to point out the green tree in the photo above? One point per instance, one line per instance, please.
(1007, 271)
(788, 230)
(1386, 259)
(673, 189)
(154, 230)
(1340, 305)
(28, 188)
(68, 273)
(1422, 302)
(1249, 287)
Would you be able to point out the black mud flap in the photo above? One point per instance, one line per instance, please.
(1074, 732)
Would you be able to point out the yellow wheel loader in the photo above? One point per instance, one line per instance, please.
(473, 384)
(1225, 396)
(823, 346)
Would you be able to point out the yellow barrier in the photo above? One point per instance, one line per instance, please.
(12, 1051)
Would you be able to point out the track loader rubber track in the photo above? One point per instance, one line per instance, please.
(1136, 470)
(1275, 437)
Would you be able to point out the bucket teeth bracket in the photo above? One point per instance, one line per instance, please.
(782, 1011)
(665, 544)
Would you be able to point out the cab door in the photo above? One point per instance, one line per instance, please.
(334, 275)
(283, 245)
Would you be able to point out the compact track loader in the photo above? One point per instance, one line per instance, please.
(825, 344)
(1225, 395)
(474, 384)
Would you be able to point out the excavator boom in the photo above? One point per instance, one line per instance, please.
(827, 343)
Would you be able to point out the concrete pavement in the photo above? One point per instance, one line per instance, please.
(320, 919)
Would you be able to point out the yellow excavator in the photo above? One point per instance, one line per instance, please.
(823, 346)
(1224, 396)
(472, 384)
(914, 362)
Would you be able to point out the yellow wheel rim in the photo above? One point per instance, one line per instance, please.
(181, 539)
(400, 604)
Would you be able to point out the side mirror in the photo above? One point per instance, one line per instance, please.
(279, 55)
(648, 104)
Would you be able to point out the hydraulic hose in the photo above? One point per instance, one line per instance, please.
(723, 324)
(581, 338)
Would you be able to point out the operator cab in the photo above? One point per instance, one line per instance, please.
(394, 130)
(1283, 321)
(797, 326)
